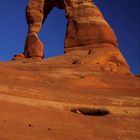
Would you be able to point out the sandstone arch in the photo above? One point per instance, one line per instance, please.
(86, 30)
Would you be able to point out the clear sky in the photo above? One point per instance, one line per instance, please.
(122, 15)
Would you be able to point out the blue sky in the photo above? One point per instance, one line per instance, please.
(122, 15)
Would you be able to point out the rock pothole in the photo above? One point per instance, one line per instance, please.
(30, 125)
(91, 111)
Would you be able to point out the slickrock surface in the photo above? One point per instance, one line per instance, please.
(56, 100)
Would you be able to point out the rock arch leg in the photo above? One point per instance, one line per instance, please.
(86, 26)
(36, 13)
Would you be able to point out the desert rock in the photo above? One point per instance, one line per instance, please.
(86, 27)
(34, 47)
(53, 99)
(86, 30)
(87, 93)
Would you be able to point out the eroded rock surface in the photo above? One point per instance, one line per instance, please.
(86, 26)
(53, 99)
(87, 30)
(74, 96)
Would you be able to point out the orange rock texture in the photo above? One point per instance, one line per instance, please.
(88, 93)
(87, 33)
(55, 100)
(86, 26)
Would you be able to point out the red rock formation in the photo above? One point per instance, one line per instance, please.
(36, 13)
(86, 30)
(86, 26)
(39, 99)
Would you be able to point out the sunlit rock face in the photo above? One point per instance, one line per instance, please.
(36, 13)
(87, 31)
(86, 26)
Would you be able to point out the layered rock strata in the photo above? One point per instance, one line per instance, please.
(86, 26)
(87, 30)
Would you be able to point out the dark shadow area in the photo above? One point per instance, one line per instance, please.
(91, 111)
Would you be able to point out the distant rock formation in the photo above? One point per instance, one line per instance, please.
(87, 31)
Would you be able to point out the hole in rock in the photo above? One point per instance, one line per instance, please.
(77, 61)
(30, 125)
(82, 77)
(91, 111)
(53, 32)
(49, 129)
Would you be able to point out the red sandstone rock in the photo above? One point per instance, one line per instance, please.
(36, 12)
(65, 97)
(34, 47)
(86, 30)
(86, 26)
(43, 101)
(18, 57)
